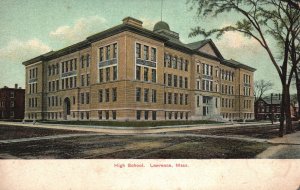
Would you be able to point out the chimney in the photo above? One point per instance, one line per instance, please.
(16, 86)
(133, 21)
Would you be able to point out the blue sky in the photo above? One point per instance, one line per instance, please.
(29, 28)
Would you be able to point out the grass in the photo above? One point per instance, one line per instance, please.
(132, 123)
(128, 147)
(15, 132)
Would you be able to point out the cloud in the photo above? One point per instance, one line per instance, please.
(19, 51)
(237, 41)
(148, 23)
(81, 29)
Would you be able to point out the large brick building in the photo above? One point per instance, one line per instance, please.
(12, 103)
(130, 73)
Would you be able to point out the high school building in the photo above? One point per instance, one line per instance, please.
(130, 73)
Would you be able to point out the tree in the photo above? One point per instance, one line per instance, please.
(277, 19)
(261, 87)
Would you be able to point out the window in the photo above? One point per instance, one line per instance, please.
(165, 78)
(138, 73)
(146, 94)
(107, 95)
(146, 115)
(101, 95)
(169, 80)
(75, 82)
(57, 84)
(153, 115)
(100, 115)
(12, 94)
(100, 75)
(138, 50)
(107, 71)
(87, 98)
(115, 73)
(82, 98)
(107, 115)
(181, 99)
(108, 52)
(12, 104)
(175, 98)
(165, 98)
(180, 82)
(75, 64)
(175, 80)
(115, 50)
(114, 94)
(82, 80)
(146, 74)
(186, 99)
(12, 114)
(169, 98)
(198, 68)
(114, 115)
(71, 82)
(138, 115)
(205, 110)
(138, 94)
(186, 82)
(82, 62)
(146, 52)
(198, 84)
(153, 54)
(88, 60)
(87, 79)
(62, 84)
(101, 54)
(186, 65)
(169, 61)
(153, 75)
(175, 63)
(73, 100)
(181, 63)
(153, 96)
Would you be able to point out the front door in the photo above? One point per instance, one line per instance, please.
(67, 108)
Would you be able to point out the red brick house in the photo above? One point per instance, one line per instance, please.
(12, 103)
(264, 107)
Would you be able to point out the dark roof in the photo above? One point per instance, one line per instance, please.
(161, 25)
(163, 34)
(232, 62)
(267, 100)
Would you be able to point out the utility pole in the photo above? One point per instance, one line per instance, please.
(272, 109)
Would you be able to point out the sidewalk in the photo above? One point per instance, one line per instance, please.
(284, 147)
(133, 130)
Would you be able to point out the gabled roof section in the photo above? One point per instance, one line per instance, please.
(204, 44)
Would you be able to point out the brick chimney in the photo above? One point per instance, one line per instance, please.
(133, 21)
(16, 86)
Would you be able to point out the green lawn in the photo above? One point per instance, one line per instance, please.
(131, 123)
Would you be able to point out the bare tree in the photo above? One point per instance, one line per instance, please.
(260, 19)
(261, 87)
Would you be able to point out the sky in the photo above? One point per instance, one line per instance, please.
(29, 28)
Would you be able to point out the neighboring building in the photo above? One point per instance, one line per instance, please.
(12, 103)
(265, 106)
(130, 73)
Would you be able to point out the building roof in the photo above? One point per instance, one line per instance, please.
(161, 25)
(161, 32)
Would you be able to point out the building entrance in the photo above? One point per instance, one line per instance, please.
(67, 108)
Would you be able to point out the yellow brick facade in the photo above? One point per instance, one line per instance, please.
(130, 73)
